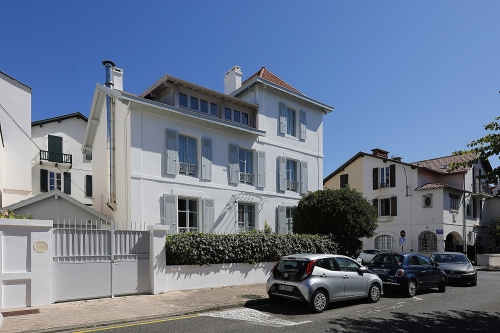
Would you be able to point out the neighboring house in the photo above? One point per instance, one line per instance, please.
(64, 210)
(57, 159)
(198, 160)
(434, 209)
(15, 159)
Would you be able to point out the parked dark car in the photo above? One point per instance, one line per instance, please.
(457, 267)
(408, 272)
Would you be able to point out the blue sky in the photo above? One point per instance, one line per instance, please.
(419, 79)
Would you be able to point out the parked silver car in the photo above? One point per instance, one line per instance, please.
(322, 278)
(457, 266)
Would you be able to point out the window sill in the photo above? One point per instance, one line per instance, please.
(385, 218)
(291, 137)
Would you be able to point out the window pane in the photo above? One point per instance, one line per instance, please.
(192, 151)
(182, 149)
(242, 160)
(244, 118)
(227, 114)
(182, 219)
(193, 206)
(237, 116)
(194, 103)
(290, 122)
(251, 223)
(193, 223)
(181, 204)
(204, 106)
(183, 100)
(249, 161)
(214, 110)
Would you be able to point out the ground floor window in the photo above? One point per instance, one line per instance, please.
(384, 242)
(246, 217)
(187, 210)
(427, 242)
(289, 219)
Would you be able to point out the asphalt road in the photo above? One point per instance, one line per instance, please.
(460, 309)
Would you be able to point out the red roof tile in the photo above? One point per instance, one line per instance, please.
(441, 164)
(268, 76)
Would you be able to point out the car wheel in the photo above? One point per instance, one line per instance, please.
(319, 301)
(442, 285)
(411, 288)
(374, 293)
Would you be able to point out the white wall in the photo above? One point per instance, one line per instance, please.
(73, 132)
(16, 168)
(25, 265)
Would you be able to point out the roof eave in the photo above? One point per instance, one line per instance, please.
(94, 118)
(326, 108)
(77, 115)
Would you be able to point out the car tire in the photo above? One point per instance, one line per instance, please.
(411, 288)
(473, 284)
(374, 293)
(442, 285)
(319, 301)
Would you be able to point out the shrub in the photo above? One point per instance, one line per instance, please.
(9, 214)
(195, 248)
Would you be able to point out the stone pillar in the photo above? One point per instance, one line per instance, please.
(157, 259)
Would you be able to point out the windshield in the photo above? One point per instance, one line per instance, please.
(389, 259)
(292, 265)
(450, 258)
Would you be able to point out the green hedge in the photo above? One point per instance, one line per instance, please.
(195, 248)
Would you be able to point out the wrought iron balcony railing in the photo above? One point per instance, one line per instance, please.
(188, 169)
(291, 186)
(187, 229)
(246, 178)
(482, 187)
(56, 157)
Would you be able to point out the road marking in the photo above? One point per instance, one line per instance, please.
(136, 324)
(418, 299)
(253, 316)
(398, 305)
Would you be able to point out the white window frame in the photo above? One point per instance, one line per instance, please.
(380, 207)
(384, 242)
(290, 182)
(289, 219)
(186, 167)
(187, 201)
(54, 176)
(385, 177)
(242, 222)
(291, 130)
(454, 204)
(246, 177)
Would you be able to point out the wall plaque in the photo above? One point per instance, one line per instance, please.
(40, 246)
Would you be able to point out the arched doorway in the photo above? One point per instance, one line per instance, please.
(427, 242)
(453, 242)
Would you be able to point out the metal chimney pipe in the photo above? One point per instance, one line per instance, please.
(109, 65)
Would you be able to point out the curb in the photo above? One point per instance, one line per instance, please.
(149, 318)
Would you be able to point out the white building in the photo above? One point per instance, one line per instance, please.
(15, 145)
(195, 159)
(433, 208)
(57, 159)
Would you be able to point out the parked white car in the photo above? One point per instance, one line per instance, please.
(367, 255)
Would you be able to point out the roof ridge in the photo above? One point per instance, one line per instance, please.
(267, 75)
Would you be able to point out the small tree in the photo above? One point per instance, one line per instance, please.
(482, 149)
(344, 214)
(494, 231)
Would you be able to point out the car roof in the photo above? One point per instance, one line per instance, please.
(312, 256)
(441, 253)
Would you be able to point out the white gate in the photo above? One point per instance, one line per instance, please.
(99, 259)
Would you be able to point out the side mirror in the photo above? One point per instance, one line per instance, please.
(473, 263)
(362, 269)
(436, 265)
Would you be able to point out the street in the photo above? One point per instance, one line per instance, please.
(460, 309)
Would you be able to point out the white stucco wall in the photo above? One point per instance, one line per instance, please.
(72, 131)
(16, 168)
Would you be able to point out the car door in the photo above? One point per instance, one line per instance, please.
(417, 271)
(331, 276)
(355, 283)
(431, 274)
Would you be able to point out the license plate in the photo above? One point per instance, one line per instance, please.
(285, 288)
(455, 276)
(379, 271)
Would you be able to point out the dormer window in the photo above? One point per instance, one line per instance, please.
(183, 100)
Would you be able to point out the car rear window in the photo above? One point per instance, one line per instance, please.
(299, 265)
(449, 258)
(389, 259)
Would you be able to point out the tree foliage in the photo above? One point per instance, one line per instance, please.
(494, 231)
(343, 213)
(483, 148)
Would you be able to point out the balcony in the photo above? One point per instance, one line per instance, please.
(188, 169)
(291, 186)
(246, 178)
(482, 188)
(55, 157)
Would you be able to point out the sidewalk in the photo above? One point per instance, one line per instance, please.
(80, 315)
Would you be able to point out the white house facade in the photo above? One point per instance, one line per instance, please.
(57, 160)
(431, 208)
(15, 145)
(199, 160)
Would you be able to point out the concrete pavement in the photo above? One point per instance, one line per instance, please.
(80, 315)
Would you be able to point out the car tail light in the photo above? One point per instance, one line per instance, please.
(272, 270)
(309, 270)
(400, 273)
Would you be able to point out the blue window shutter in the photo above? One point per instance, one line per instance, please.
(234, 167)
(170, 212)
(206, 159)
(261, 169)
(283, 118)
(208, 215)
(304, 182)
(282, 173)
(282, 229)
(303, 126)
(172, 158)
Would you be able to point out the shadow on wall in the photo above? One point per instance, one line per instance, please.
(242, 269)
(458, 321)
(160, 260)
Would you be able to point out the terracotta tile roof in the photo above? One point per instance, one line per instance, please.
(431, 186)
(268, 76)
(441, 164)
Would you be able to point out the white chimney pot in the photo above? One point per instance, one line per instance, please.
(232, 80)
